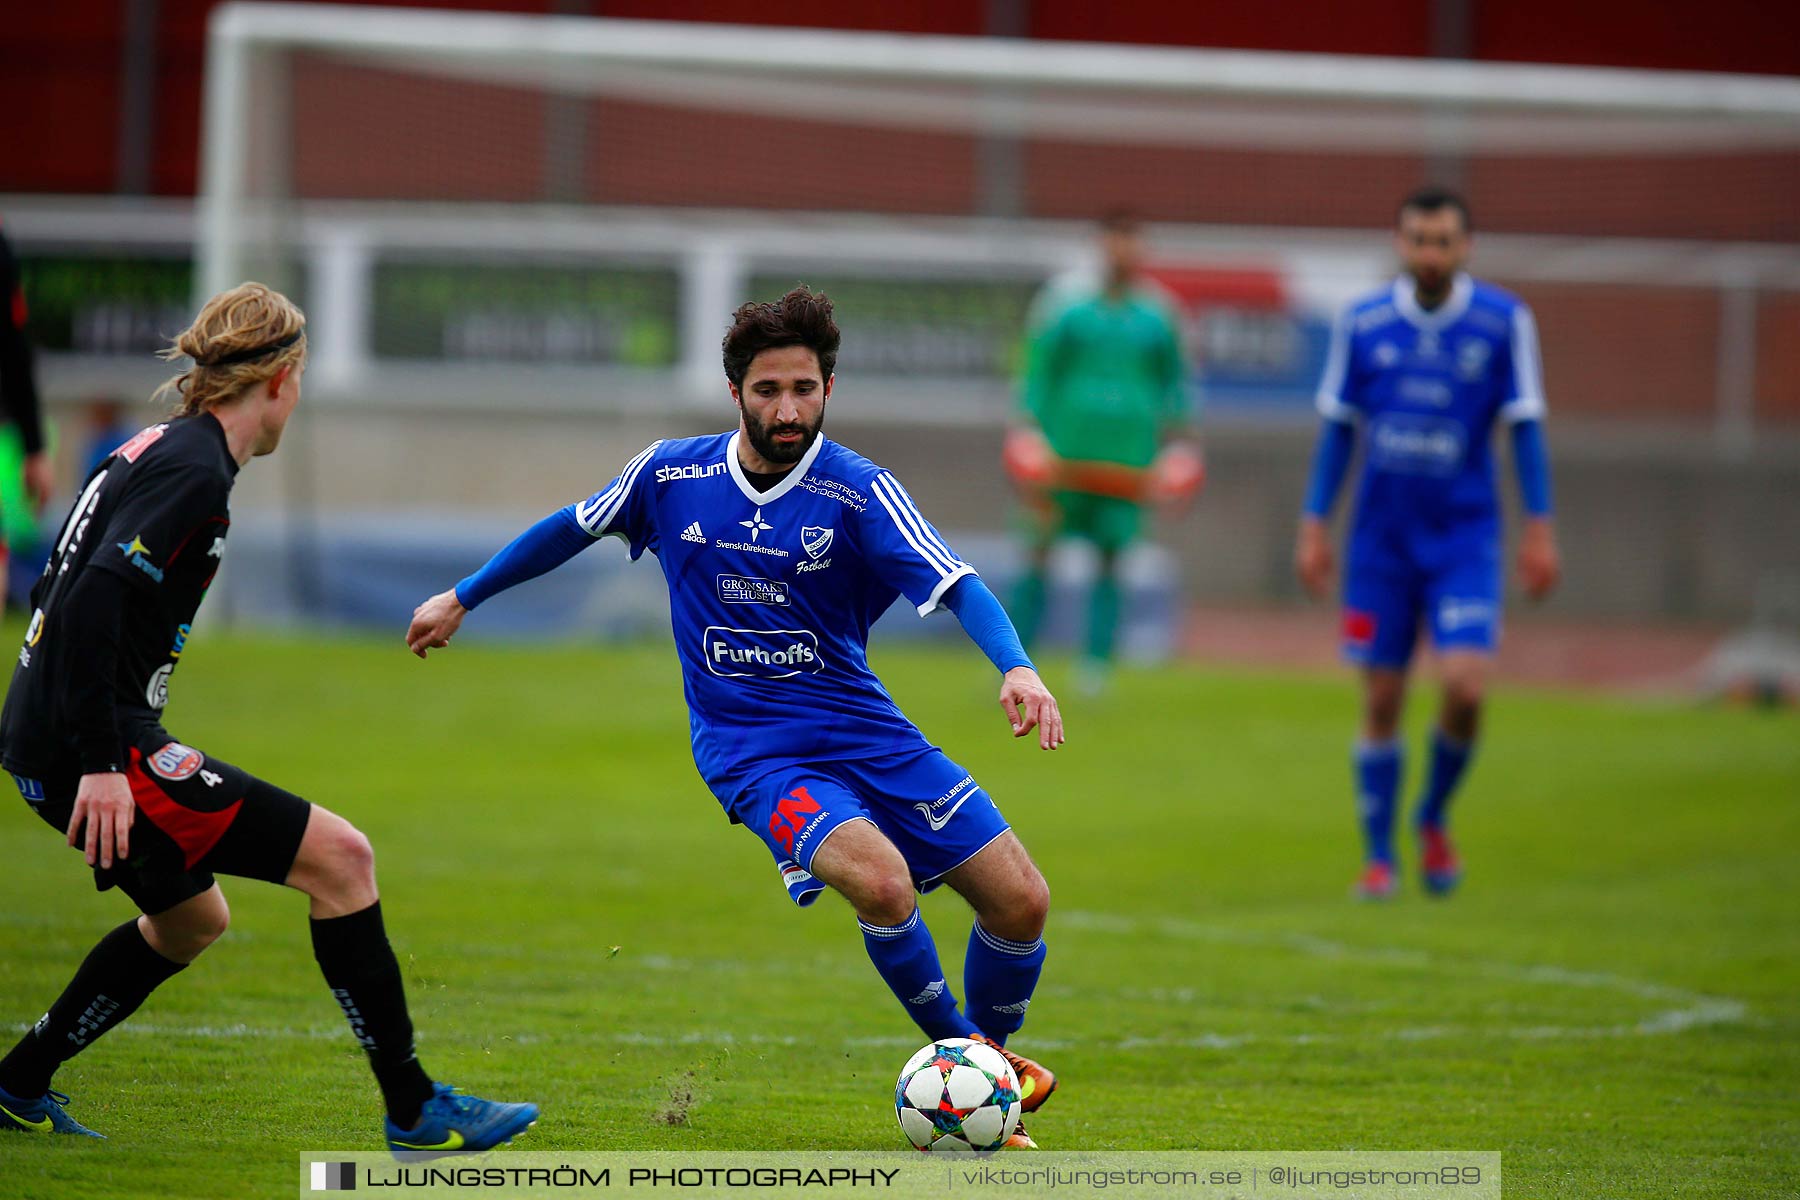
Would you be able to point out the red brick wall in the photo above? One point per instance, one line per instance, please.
(60, 62)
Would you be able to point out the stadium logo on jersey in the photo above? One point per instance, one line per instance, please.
(1417, 445)
(761, 653)
(690, 471)
(176, 762)
(137, 554)
(140, 442)
(756, 525)
(736, 589)
(815, 541)
(693, 533)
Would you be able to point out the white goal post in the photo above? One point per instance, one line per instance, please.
(992, 147)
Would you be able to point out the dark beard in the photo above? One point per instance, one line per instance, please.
(762, 438)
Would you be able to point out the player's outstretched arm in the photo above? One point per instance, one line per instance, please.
(1024, 699)
(547, 545)
(435, 622)
(1029, 705)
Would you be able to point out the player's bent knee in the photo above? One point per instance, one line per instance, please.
(1465, 694)
(1022, 911)
(882, 898)
(895, 899)
(185, 931)
(334, 856)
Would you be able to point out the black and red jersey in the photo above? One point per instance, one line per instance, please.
(115, 605)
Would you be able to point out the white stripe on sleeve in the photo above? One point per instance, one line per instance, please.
(597, 513)
(931, 536)
(943, 585)
(937, 562)
(1527, 401)
(1337, 372)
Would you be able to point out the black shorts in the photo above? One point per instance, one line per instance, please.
(195, 815)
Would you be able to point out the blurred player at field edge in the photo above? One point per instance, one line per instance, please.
(1104, 389)
(18, 390)
(1423, 368)
(82, 736)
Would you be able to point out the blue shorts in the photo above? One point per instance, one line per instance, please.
(930, 808)
(1385, 601)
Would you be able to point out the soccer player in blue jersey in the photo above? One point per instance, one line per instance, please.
(1420, 372)
(780, 548)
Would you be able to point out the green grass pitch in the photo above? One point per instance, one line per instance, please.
(1613, 1001)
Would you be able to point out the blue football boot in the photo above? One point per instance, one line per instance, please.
(43, 1115)
(452, 1123)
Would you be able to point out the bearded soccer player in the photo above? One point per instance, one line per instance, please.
(781, 548)
(1421, 371)
(82, 735)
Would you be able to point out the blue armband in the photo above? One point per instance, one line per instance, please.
(1532, 460)
(986, 622)
(550, 543)
(1337, 440)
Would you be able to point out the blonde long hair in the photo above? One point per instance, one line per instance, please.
(243, 336)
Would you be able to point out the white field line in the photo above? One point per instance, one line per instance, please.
(1688, 1010)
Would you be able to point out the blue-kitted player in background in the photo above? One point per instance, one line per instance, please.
(780, 548)
(1419, 372)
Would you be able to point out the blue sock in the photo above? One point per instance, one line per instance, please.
(999, 977)
(908, 961)
(1449, 759)
(1377, 788)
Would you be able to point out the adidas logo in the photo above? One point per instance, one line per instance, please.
(692, 534)
(931, 992)
(1018, 1008)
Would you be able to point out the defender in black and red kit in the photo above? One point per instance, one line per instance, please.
(82, 735)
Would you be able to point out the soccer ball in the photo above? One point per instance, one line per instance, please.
(959, 1096)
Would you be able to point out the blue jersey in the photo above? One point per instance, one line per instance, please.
(771, 595)
(1428, 388)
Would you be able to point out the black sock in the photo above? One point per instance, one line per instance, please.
(117, 976)
(363, 974)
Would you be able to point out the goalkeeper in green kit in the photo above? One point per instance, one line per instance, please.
(1104, 398)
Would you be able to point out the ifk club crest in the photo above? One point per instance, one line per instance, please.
(815, 540)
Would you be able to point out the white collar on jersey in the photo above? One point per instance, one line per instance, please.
(787, 481)
(1406, 302)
